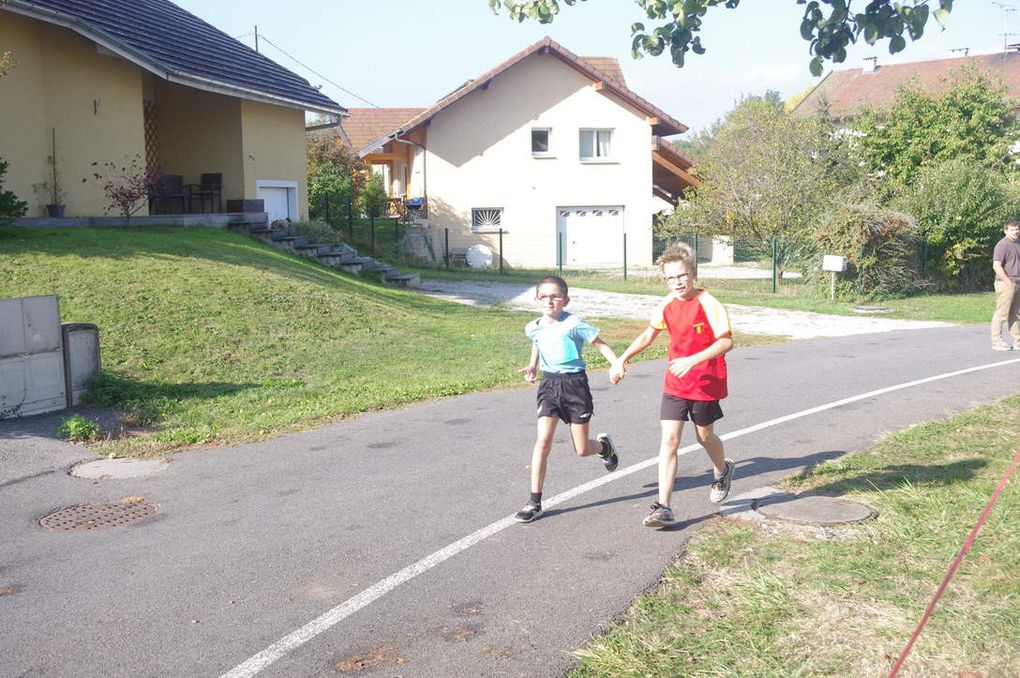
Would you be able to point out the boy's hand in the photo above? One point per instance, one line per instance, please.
(617, 372)
(681, 366)
(529, 374)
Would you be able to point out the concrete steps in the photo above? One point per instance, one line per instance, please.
(342, 256)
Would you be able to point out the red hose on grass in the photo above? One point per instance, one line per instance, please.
(956, 563)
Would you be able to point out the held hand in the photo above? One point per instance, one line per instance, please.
(529, 374)
(680, 366)
(617, 372)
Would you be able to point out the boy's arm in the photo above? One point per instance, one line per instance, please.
(640, 343)
(530, 371)
(680, 366)
(605, 349)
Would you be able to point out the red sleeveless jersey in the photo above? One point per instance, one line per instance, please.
(693, 326)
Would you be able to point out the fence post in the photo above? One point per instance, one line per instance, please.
(325, 199)
(624, 256)
(396, 234)
(446, 240)
(371, 221)
(350, 219)
(775, 283)
(695, 247)
(501, 251)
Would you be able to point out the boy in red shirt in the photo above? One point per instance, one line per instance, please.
(695, 381)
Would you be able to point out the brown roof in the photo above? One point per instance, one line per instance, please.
(365, 125)
(671, 173)
(665, 124)
(849, 92)
(609, 67)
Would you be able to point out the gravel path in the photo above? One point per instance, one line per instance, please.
(594, 303)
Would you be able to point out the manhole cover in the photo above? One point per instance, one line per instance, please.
(812, 509)
(98, 516)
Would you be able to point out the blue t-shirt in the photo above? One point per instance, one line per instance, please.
(560, 343)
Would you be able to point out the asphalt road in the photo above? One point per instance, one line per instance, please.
(305, 533)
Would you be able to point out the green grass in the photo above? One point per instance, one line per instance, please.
(751, 601)
(208, 337)
(792, 294)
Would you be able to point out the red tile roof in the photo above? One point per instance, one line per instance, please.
(365, 125)
(666, 125)
(848, 92)
(609, 67)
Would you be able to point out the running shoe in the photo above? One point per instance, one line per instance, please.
(721, 486)
(528, 513)
(661, 516)
(608, 454)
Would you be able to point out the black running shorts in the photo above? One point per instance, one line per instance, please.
(701, 412)
(566, 396)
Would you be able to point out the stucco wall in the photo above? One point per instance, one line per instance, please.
(273, 148)
(479, 155)
(199, 132)
(97, 118)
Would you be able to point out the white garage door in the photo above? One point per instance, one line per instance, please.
(591, 236)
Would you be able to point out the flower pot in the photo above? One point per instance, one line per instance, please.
(55, 211)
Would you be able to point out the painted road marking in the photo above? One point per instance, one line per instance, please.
(256, 663)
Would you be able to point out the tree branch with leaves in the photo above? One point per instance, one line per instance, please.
(829, 25)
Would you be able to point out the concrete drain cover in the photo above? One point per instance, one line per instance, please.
(98, 516)
(812, 510)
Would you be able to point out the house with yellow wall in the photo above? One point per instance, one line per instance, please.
(150, 85)
(548, 158)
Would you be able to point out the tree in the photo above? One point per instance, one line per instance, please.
(960, 208)
(768, 176)
(829, 25)
(374, 197)
(971, 119)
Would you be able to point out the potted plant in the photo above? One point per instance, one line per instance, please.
(56, 206)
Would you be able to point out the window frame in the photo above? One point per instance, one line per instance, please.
(487, 229)
(594, 131)
(548, 153)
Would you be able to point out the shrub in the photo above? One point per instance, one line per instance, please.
(315, 231)
(126, 185)
(373, 200)
(881, 249)
(330, 192)
(78, 429)
(960, 208)
(10, 207)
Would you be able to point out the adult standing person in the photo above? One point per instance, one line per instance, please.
(1006, 264)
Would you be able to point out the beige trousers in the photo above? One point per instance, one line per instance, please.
(1007, 310)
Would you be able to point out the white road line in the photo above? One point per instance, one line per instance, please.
(255, 664)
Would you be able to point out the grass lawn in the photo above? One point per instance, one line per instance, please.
(208, 337)
(793, 294)
(775, 600)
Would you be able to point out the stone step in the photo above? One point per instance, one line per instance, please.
(404, 279)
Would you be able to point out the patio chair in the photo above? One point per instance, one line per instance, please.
(211, 187)
(167, 188)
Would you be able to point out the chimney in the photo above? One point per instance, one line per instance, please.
(870, 65)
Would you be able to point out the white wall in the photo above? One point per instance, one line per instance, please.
(479, 155)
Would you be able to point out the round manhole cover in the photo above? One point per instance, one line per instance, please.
(98, 516)
(813, 509)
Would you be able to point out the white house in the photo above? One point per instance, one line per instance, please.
(553, 149)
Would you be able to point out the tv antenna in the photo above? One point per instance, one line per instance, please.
(1007, 9)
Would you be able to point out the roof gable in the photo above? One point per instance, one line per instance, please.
(848, 92)
(365, 125)
(164, 39)
(663, 125)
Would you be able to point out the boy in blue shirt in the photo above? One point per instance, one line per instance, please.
(556, 342)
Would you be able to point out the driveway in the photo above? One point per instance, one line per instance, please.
(595, 303)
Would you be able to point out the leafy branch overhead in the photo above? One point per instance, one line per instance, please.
(829, 25)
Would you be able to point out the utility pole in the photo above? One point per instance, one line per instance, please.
(256, 38)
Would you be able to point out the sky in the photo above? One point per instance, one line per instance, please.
(411, 53)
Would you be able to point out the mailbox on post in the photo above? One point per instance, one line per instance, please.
(834, 263)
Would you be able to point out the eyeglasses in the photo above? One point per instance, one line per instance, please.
(683, 277)
(550, 297)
